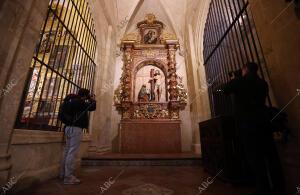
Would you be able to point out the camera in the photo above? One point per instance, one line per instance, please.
(90, 96)
(236, 73)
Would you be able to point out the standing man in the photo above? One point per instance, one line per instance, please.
(250, 93)
(74, 111)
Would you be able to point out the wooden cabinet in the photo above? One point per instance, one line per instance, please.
(221, 149)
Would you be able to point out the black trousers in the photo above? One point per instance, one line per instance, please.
(262, 157)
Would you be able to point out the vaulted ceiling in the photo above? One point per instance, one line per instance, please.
(170, 12)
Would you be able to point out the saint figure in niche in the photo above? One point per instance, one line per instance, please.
(143, 95)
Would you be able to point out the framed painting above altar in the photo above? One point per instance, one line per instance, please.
(151, 36)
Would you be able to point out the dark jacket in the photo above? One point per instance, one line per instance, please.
(249, 96)
(80, 110)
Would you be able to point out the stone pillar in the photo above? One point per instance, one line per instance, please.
(20, 24)
(100, 122)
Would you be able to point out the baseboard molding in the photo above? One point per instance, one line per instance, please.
(197, 148)
(94, 150)
(21, 137)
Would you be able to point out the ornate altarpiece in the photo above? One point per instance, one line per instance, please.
(150, 93)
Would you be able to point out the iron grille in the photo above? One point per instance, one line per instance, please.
(62, 63)
(230, 40)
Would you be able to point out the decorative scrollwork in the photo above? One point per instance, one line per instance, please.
(130, 37)
(151, 111)
(118, 95)
(169, 36)
(174, 115)
(182, 92)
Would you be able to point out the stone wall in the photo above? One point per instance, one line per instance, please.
(104, 80)
(20, 23)
(36, 156)
(196, 80)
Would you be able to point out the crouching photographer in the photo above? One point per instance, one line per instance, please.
(73, 112)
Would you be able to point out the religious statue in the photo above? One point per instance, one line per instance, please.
(156, 83)
(143, 95)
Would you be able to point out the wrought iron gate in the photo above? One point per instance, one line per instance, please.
(230, 40)
(62, 63)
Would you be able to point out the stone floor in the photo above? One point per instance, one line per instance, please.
(139, 180)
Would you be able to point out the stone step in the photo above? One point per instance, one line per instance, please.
(182, 159)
